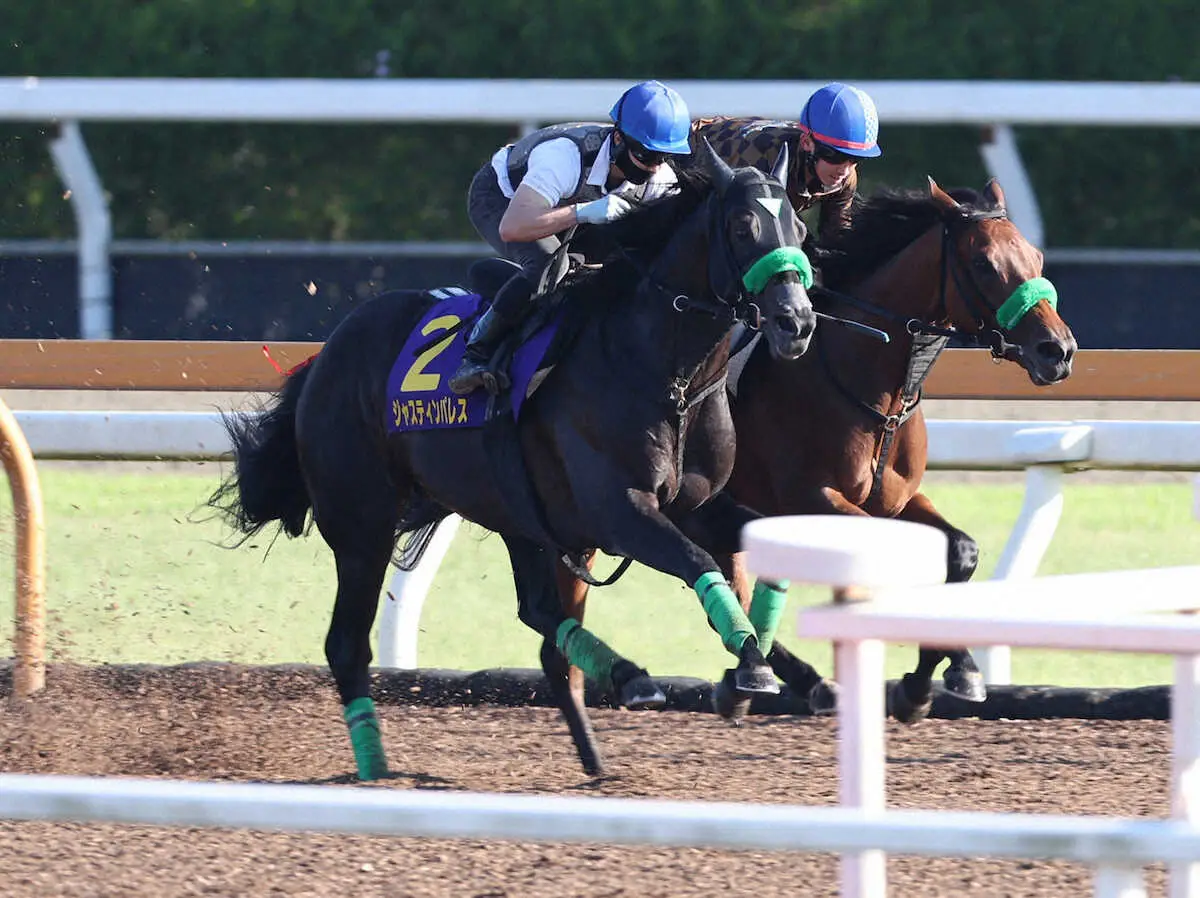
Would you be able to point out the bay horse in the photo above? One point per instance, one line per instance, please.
(925, 266)
(624, 446)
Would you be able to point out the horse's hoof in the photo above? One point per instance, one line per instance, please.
(965, 684)
(642, 694)
(755, 679)
(907, 708)
(728, 702)
(823, 698)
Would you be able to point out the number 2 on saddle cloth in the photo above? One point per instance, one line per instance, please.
(419, 395)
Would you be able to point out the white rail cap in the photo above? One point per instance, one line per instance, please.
(1051, 444)
(836, 550)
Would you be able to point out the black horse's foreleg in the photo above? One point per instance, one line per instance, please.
(800, 676)
(639, 530)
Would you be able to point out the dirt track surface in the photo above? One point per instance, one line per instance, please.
(251, 724)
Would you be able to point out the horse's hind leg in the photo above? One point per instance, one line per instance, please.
(572, 594)
(355, 509)
(348, 647)
(565, 641)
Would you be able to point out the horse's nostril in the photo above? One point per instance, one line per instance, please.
(1052, 351)
(788, 324)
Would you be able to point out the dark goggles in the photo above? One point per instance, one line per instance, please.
(831, 155)
(648, 158)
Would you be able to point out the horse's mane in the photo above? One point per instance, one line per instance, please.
(881, 226)
(628, 246)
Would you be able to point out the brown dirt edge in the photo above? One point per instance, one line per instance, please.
(512, 687)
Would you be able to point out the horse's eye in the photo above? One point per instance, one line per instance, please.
(744, 228)
(982, 264)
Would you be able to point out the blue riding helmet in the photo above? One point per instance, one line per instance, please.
(843, 117)
(655, 116)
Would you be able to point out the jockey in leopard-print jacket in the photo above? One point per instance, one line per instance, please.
(838, 127)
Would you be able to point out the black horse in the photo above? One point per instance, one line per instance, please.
(624, 447)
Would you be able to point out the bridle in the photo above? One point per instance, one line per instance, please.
(733, 286)
(923, 353)
(950, 270)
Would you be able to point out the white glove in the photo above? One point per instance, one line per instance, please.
(607, 208)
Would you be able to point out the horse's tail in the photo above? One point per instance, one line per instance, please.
(266, 484)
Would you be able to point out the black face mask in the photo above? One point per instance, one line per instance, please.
(630, 169)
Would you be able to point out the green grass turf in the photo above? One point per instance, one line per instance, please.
(133, 579)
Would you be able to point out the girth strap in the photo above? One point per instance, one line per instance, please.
(923, 352)
(683, 405)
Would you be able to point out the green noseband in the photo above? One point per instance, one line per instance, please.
(1024, 298)
(786, 258)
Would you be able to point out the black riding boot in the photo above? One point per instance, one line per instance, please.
(506, 311)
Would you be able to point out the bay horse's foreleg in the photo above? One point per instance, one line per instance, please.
(962, 678)
(801, 677)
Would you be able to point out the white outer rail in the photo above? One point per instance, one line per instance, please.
(993, 105)
(1100, 103)
(853, 555)
(1045, 450)
(1116, 847)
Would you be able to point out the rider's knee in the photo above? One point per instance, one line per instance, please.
(512, 298)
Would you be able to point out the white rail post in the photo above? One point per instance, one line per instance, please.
(1003, 160)
(1115, 881)
(1185, 764)
(1041, 511)
(862, 744)
(400, 616)
(854, 555)
(94, 223)
(1045, 449)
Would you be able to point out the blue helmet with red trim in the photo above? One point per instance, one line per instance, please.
(655, 116)
(843, 117)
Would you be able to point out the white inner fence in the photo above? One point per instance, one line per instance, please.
(859, 556)
(1093, 612)
(1046, 450)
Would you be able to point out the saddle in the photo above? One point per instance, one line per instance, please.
(487, 276)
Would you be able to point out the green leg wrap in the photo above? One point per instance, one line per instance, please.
(364, 736)
(723, 609)
(766, 608)
(586, 651)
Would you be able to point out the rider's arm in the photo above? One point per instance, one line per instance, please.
(534, 211)
(530, 216)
